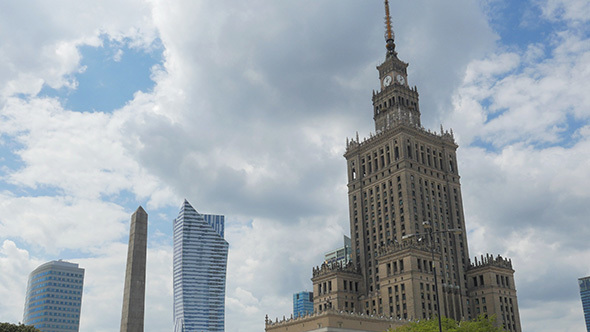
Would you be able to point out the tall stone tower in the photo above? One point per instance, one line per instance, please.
(134, 293)
(403, 182)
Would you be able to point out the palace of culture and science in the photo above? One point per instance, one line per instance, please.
(404, 191)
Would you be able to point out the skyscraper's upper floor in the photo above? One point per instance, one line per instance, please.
(54, 297)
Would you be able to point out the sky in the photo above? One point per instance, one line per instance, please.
(244, 108)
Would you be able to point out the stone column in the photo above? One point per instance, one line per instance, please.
(134, 292)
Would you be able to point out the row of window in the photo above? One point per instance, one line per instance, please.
(51, 313)
(58, 308)
(59, 273)
(502, 281)
(55, 290)
(378, 236)
(395, 100)
(68, 303)
(55, 320)
(67, 297)
(49, 283)
(376, 160)
(71, 280)
(397, 291)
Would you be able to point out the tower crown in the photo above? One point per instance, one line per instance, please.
(389, 35)
(396, 103)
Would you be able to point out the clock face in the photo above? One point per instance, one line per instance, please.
(387, 80)
(400, 79)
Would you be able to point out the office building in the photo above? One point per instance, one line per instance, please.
(302, 303)
(584, 284)
(54, 297)
(132, 316)
(200, 260)
(404, 190)
(342, 255)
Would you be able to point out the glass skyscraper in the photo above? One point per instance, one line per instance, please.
(302, 304)
(200, 261)
(54, 297)
(584, 284)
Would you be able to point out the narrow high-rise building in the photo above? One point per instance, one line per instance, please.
(134, 291)
(302, 304)
(200, 261)
(54, 297)
(584, 284)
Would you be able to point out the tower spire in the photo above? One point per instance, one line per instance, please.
(389, 35)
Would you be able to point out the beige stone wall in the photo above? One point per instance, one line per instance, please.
(332, 320)
(400, 179)
(132, 317)
(343, 293)
(496, 295)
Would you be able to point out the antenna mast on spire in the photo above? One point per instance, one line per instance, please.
(389, 35)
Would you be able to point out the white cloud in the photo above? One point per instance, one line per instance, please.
(522, 117)
(248, 117)
(574, 12)
(118, 55)
(39, 41)
(16, 266)
(86, 155)
(504, 99)
(51, 224)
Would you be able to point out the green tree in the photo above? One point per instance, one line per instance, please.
(7, 327)
(481, 324)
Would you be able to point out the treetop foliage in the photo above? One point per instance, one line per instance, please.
(7, 327)
(481, 324)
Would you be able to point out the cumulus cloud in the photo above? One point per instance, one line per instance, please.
(51, 224)
(39, 41)
(506, 98)
(16, 265)
(521, 117)
(573, 12)
(248, 117)
(85, 155)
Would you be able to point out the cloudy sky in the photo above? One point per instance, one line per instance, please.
(243, 108)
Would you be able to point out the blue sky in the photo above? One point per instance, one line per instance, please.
(111, 74)
(244, 110)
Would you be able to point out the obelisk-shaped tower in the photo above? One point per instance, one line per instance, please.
(134, 292)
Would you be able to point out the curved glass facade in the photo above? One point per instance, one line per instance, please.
(200, 261)
(584, 284)
(54, 297)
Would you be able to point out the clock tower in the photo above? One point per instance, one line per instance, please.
(404, 184)
(396, 102)
(410, 257)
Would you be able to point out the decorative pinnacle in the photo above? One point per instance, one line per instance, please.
(389, 35)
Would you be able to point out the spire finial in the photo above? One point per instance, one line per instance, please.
(389, 35)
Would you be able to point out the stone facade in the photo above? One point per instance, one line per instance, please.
(134, 292)
(407, 222)
(334, 321)
(403, 182)
(492, 291)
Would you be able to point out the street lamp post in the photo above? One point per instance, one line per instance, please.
(430, 232)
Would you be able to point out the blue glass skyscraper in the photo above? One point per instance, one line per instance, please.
(302, 303)
(54, 297)
(584, 284)
(200, 261)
